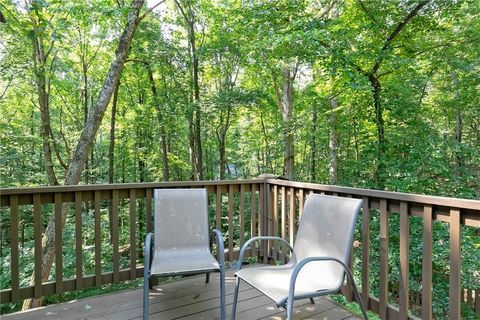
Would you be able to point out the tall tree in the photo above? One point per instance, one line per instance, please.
(189, 14)
(41, 58)
(84, 144)
(373, 75)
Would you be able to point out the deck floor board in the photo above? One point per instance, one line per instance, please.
(187, 299)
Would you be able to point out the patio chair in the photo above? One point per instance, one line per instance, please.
(180, 244)
(319, 259)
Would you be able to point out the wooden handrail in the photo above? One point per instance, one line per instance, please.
(400, 196)
(123, 186)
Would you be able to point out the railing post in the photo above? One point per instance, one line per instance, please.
(265, 214)
(455, 264)
(427, 263)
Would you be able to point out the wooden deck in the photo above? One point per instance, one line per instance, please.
(188, 298)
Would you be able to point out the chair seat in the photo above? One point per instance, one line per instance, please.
(274, 281)
(175, 262)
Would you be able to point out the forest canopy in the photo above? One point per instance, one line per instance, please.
(375, 94)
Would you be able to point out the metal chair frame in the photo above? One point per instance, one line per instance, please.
(288, 302)
(147, 276)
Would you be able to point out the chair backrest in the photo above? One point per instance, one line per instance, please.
(326, 229)
(181, 219)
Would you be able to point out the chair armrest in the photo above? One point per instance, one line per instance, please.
(220, 246)
(247, 244)
(147, 258)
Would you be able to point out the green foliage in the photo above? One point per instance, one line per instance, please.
(428, 75)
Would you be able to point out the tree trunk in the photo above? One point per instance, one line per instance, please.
(95, 116)
(191, 144)
(287, 112)
(196, 89)
(373, 78)
(380, 124)
(197, 155)
(163, 135)
(221, 137)
(458, 123)
(357, 152)
(332, 143)
(221, 152)
(313, 145)
(111, 148)
(111, 154)
(268, 162)
(197, 116)
(85, 114)
(39, 60)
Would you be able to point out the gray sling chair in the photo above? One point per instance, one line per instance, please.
(181, 244)
(319, 258)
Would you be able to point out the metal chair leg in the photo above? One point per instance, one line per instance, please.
(145, 296)
(222, 293)
(146, 274)
(207, 278)
(289, 309)
(150, 282)
(357, 295)
(235, 298)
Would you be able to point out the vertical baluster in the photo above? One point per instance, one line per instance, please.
(78, 241)
(148, 204)
(98, 239)
(253, 218)
(477, 302)
(346, 289)
(271, 245)
(427, 264)
(14, 248)
(384, 217)
(366, 252)
(37, 222)
(230, 222)
(115, 256)
(291, 223)
(218, 208)
(58, 244)
(262, 223)
(300, 204)
(275, 221)
(284, 221)
(133, 238)
(404, 259)
(469, 297)
(242, 215)
(455, 263)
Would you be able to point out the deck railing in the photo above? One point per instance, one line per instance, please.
(97, 202)
(241, 209)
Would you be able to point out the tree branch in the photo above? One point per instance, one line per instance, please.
(151, 9)
(182, 11)
(6, 88)
(57, 151)
(395, 33)
(367, 13)
(328, 9)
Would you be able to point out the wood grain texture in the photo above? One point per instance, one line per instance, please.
(188, 298)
